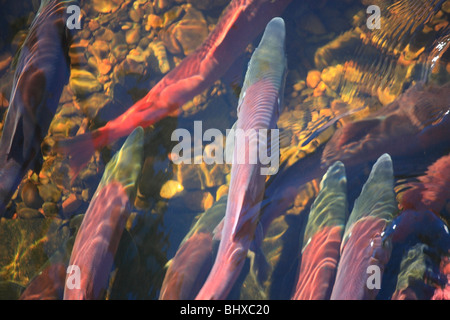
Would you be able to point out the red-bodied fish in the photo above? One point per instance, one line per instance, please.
(41, 73)
(240, 23)
(363, 251)
(322, 238)
(191, 264)
(431, 192)
(48, 285)
(98, 238)
(258, 109)
(417, 123)
(443, 293)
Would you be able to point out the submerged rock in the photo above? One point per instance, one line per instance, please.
(106, 6)
(187, 34)
(83, 82)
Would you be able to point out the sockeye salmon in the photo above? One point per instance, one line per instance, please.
(259, 108)
(41, 73)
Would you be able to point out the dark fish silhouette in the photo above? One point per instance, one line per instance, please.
(42, 71)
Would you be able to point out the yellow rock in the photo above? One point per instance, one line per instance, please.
(170, 189)
(313, 78)
(136, 55)
(153, 22)
(132, 35)
(222, 191)
(159, 52)
(83, 82)
(188, 33)
(332, 76)
(320, 89)
(106, 6)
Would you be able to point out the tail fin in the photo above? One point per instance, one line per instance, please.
(79, 150)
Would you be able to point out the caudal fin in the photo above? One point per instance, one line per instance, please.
(79, 150)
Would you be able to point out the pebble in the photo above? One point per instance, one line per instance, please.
(137, 55)
(93, 25)
(49, 193)
(106, 6)
(99, 49)
(170, 189)
(120, 51)
(319, 89)
(29, 213)
(50, 209)
(313, 78)
(132, 35)
(30, 195)
(153, 22)
(105, 34)
(70, 205)
(332, 75)
(77, 53)
(446, 6)
(160, 54)
(299, 86)
(186, 35)
(82, 82)
(64, 126)
(135, 15)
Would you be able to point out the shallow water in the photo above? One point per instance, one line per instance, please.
(346, 99)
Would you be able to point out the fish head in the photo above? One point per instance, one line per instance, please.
(268, 61)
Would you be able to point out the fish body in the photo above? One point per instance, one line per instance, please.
(48, 285)
(188, 269)
(322, 238)
(41, 73)
(363, 248)
(259, 108)
(240, 23)
(98, 238)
